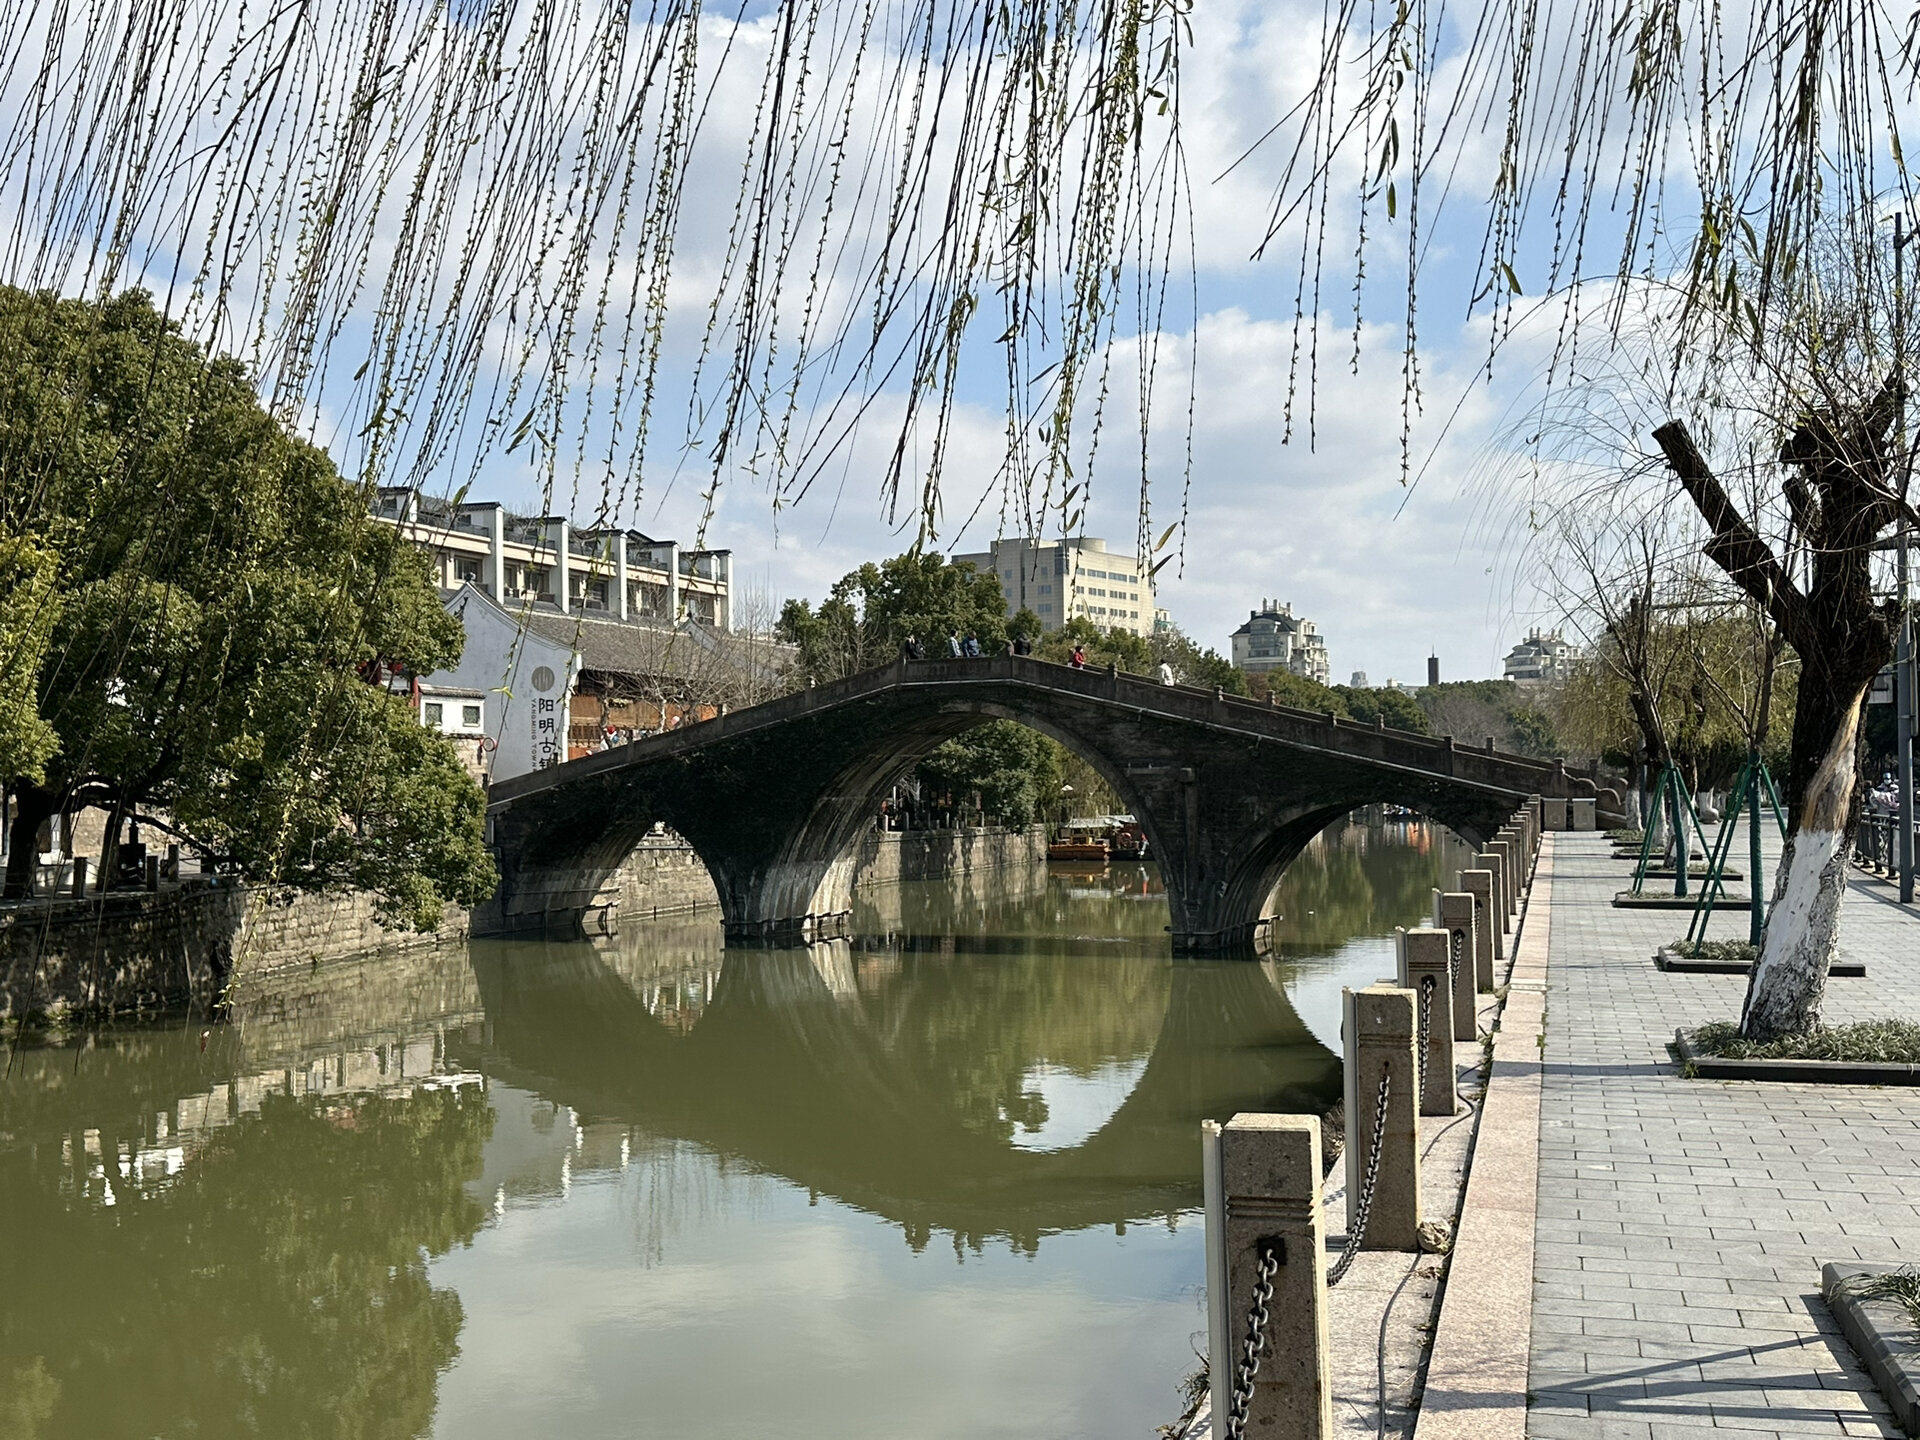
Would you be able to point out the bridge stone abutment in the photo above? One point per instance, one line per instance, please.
(773, 797)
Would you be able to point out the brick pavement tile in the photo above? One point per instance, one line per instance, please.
(1708, 1207)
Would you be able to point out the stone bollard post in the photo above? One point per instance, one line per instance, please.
(1517, 847)
(1424, 966)
(1509, 900)
(1486, 935)
(1463, 950)
(1492, 861)
(79, 877)
(1553, 813)
(1265, 1172)
(153, 872)
(1580, 814)
(1378, 1028)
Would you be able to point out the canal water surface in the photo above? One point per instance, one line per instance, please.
(940, 1181)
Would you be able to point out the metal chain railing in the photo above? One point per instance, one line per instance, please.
(1239, 1402)
(1427, 986)
(1456, 954)
(1363, 1206)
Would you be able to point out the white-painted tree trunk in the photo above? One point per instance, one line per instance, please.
(1789, 979)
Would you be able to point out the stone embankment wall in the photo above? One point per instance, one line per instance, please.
(128, 951)
(134, 950)
(888, 857)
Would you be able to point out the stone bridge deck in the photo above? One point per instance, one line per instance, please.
(772, 797)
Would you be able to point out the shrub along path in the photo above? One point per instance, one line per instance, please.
(1682, 1223)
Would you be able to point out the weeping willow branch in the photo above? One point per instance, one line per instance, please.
(460, 235)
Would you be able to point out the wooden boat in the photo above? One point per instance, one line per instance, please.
(1097, 839)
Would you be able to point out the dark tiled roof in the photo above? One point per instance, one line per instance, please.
(690, 652)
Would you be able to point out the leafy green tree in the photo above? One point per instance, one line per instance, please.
(229, 614)
(1014, 770)
(1395, 708)
(1195, 666)
(1287, 688)
(1472, 710)
(28, 605)
(1130, 652)
(868, 615)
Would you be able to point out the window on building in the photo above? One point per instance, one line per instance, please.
(470, 716)
(468, 571)
(434, 713)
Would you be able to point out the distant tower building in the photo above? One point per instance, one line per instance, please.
(1359, 680)
(1274, 638)
(1433, 669)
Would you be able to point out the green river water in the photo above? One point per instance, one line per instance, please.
(941, 1181)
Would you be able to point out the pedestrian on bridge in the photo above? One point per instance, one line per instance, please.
(1166, 673)
(1079, 657)
(970, 647)
(913, 649)
(954, 651)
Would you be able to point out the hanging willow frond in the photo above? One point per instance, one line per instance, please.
(441, 233)
(1596, 142)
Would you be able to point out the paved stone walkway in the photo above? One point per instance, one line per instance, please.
(1682, 1223)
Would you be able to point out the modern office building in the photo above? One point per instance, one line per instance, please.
(1274, 638)
(1061, 579)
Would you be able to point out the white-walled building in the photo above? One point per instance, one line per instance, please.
(521, 681)
(1542, 657)
(1274, 638)
(1061, 579)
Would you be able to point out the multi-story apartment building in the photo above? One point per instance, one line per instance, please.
(1061, 579)
(1274, 638)
(1543, 657)
(546, 562)
(575, 638)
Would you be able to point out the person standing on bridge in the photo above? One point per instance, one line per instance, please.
(970, 647)
(954, 651)
(1079, 657)
(913, 649)
(1166, 673)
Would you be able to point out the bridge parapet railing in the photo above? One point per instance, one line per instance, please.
(1310, 726)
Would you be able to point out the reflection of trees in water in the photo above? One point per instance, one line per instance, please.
(972, 1029)
(1362, 879)
(277, 1286)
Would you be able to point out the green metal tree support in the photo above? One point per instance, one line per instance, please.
(1671, 794)
(1745, 795)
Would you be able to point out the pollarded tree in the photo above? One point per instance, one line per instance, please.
(1845, 486)
(1801, 407)
(225, 601)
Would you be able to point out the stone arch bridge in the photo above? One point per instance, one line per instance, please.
(773, 797)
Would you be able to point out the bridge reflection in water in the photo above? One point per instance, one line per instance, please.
(559, 1188)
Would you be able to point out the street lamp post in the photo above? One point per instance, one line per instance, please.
(1903, 643)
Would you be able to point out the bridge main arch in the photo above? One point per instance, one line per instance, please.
(773, 798)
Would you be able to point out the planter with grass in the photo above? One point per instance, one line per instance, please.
(1729, 957)
(1666, 900)
(1878, 1307)
(1873, 1052)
